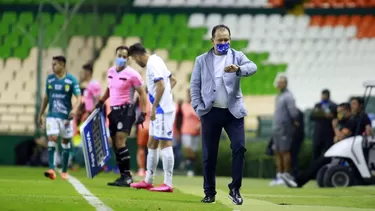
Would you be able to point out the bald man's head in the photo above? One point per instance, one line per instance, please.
(282, 82)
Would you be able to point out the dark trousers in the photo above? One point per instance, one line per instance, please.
(321, 145)
(294, 152)
(311, 172)
(212, 124)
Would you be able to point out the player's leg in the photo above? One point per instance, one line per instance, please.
(142, 139)
(165, 135)
(195, 140)
(152, 160)
(123, 120)
(67, 135)
(53, 131)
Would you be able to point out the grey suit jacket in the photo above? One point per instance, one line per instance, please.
(202, 82)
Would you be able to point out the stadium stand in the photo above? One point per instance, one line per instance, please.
(315, 52)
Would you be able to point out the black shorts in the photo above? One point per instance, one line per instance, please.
(121, 119)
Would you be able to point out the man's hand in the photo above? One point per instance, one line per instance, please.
(231, 68)
(40, 121)
(335, 123)
(153, 113)
(141, 118)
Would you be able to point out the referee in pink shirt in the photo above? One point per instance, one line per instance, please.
(123, 81)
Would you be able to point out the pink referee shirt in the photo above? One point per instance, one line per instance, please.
(122, 85)
(93, 90)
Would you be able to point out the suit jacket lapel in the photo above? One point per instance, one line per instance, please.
(210, 63)
(229, 59)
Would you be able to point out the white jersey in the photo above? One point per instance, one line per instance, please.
(156, 70)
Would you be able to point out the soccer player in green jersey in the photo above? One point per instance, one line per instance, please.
(60, 87)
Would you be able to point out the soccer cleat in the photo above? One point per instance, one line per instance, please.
(162, 188)
(50, 174)
(142, 185)
(123, 181)
(64, 176)
(235, 196)
(208, 199)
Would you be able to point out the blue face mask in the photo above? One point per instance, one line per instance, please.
(120, 62)
(222, 48)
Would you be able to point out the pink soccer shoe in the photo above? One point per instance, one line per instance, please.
(162, 188)
(141, 185)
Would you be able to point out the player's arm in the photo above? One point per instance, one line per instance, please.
(142, 98)
(159, 83)
(105, 96)
(44, 105)
(172, 80)
(78, 96)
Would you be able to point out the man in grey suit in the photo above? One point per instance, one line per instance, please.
(217, 99)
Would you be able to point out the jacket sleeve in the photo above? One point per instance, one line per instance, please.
(196, 85)
(246, 67)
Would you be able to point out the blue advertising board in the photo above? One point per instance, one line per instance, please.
(95, 143)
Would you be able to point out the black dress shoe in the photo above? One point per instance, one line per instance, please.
(235, 196)
(123, 181)
(208, 199)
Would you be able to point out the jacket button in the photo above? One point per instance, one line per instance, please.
(212, 101)
(214, 90)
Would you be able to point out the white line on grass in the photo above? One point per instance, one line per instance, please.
(90, 198)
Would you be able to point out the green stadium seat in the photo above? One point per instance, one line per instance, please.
(129, 19)
(120, 31)
(180, 20)
(163, 20)
(176, 54)
(12, 40)
(34, 30)
(191, 53)
(58, 20)
(21, 52)
(150, 43)
(9, 17)
(263, 56)
(4, 28)
(198, 33)
(164, 42)
(146, 20)
(136, 31)
(239, 44)
(108, 19)
(5, 51)
(28, 42)
(46, 17)
(26, 18)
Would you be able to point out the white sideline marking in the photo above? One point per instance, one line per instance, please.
(90, 198)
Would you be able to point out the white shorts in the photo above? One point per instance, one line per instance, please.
(59, 127)
(162, 127)
(192, 142)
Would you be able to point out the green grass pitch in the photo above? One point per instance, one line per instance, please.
(27, 189)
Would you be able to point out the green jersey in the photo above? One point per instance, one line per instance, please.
(59, 92)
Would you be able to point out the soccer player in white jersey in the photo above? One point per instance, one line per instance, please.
(159, 82)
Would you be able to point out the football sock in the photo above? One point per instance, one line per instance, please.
(168, 164)
(65, 156)
(51, 154)
(123, 160)
(152, 162)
